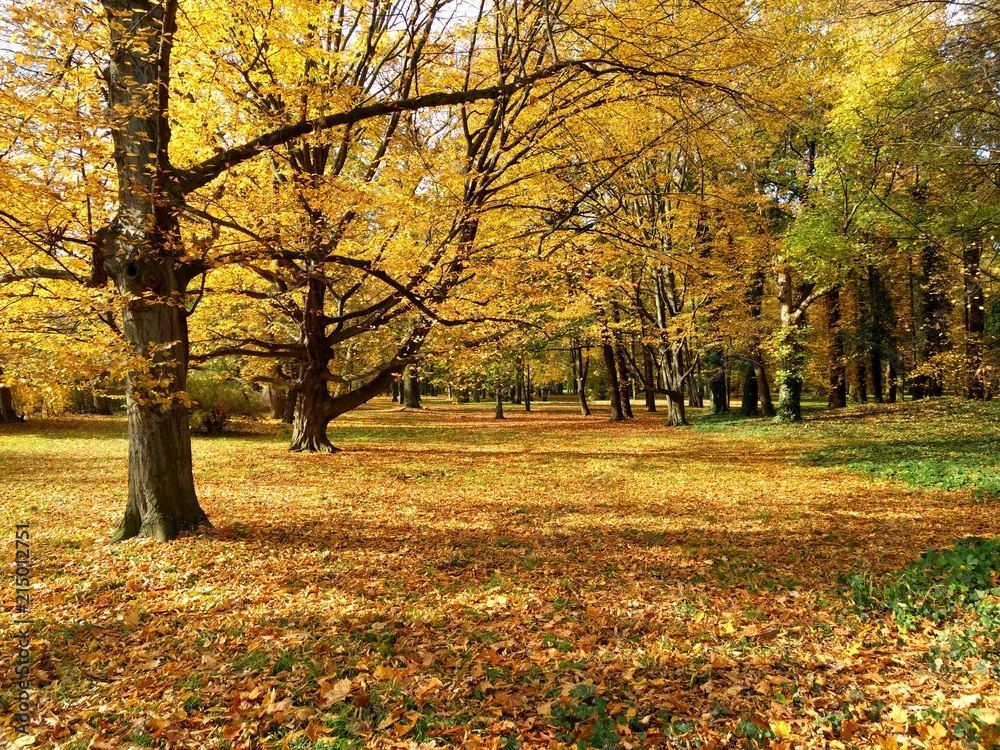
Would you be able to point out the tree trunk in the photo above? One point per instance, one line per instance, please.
(312, 413)
(527, 386)
(276, 399)
(411, 388)
(288, 416)
(975, 322)
(715, 369)
(862, 383)
(608, 353)
(934, 320)
(838, 379)
(763, 387)
(893, 381)
(649, 379)
(878, 387)
(140, 251)
(581, 368)
(499, 410)
(312, 416)
(102, 405)
(791, 353)
(7, 411)
(394, 391)
(749, 405)
(476, 398)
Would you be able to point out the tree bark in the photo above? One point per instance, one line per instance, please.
(499, 410)
(527, 386)
(276, 399)
(411, 388)
(7, 412)
(791, 352)
(763, 387)
(142, 253)
(715, 368)
(748, 408)
(649, 379)
(608, 353)
(288, 416)
(581, 368)
(838, 379)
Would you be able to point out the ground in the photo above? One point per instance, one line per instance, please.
(545, 581)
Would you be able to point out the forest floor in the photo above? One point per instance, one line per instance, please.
(544, 581)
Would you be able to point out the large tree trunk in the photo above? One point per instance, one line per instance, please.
(975, 322)
(893, 381)
(7, 412)
(161, 496)
(312, 415)
(608, 353)
(141, 251)
(838, 379)
(791, 353)
(411, 388)
(313, 412)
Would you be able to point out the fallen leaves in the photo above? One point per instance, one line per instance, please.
(600, 581)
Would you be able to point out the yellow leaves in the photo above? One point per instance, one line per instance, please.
(782, 729)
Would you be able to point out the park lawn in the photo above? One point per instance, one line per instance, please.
(545, 581)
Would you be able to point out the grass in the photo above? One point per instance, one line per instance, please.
(549, 580)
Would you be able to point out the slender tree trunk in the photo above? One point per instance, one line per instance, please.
(527, 386)
(878, 387)
(581, 368)
(607, 351)
(862, 383)
(763, 387)
(475, 396)
(975, 322)
(934, 320)
(288, 416)
(893, 381)
(411, 388)
(394, 391)
(838, 379)
(499, 410)
(749, 406)
(649, 379)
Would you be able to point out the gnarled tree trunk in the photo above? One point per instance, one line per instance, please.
(142, 254)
